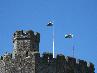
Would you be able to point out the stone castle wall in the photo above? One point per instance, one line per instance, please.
(26, 58)
(48, 64)
(62, 64)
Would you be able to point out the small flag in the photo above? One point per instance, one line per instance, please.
(50, 24)
(69, 36)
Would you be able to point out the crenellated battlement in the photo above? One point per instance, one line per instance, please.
(26, 58)
(19, 35)
(67, 61)
(47, 55)
(6, 57)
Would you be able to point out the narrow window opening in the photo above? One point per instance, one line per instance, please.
(27, 54)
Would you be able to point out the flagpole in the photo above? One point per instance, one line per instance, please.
(70, 36)
(53, 44)
(73, 50)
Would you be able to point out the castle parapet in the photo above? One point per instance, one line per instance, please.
(7, 57)
(60, 57)
(27, 35)
(47, 57)
(82, 63)
(91, 68)
(71, 60)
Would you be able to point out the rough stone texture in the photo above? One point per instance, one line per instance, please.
(26, 58)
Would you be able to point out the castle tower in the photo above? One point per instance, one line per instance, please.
(25, 43)
(26, 51)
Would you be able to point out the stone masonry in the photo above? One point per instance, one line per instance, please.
(26, 58)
